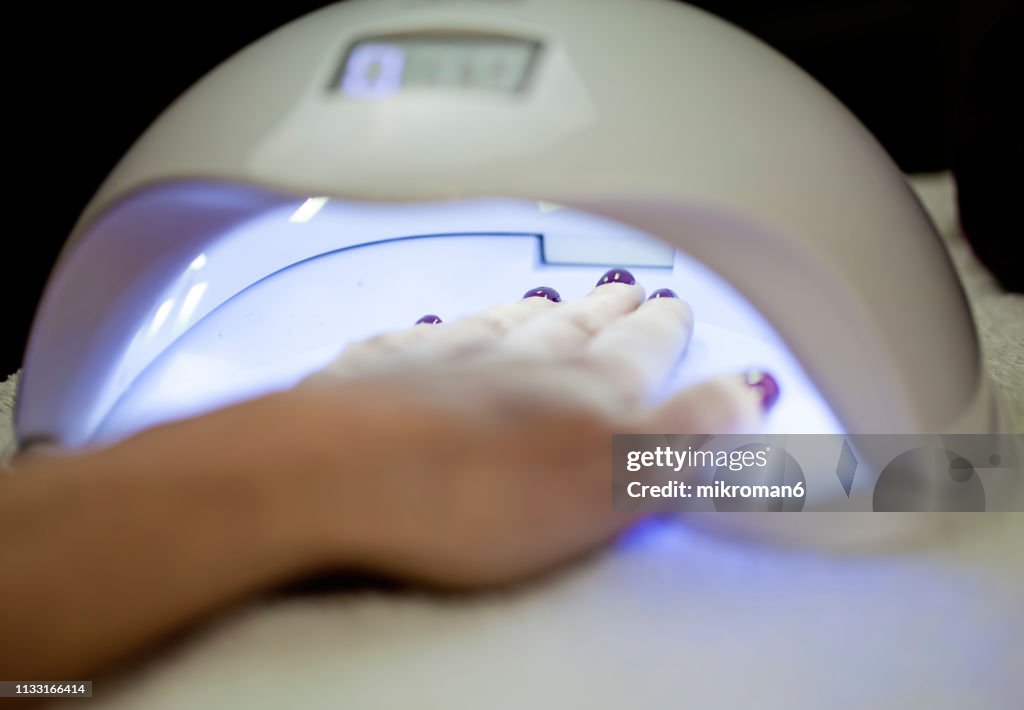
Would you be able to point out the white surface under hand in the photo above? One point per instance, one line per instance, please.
(670, 618)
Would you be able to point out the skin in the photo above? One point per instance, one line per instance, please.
(458, 455)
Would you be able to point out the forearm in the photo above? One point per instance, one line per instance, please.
(105, 552)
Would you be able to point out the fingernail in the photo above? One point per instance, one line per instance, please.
(663, 293)
(429, 319)
(766, 385)
(616, 276)
(543, 292)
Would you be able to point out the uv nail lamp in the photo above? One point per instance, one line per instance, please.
(376, 161)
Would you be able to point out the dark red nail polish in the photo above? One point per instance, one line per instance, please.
(429, 319)
(663, 293)
(543, 292)
(766, 385)
(616, 276)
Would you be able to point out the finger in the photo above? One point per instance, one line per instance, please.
(638, 352)
(431, 339)
(479, 333)
(383, 351)
(565, 331)
(723, 405)
(497, 321)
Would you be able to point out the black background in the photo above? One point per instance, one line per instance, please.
(84, 80)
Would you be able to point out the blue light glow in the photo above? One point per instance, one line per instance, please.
(237, 308)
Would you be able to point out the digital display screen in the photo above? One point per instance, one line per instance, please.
(383, 66)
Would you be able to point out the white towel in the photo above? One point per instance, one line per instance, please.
(668, 618)
(7, 389)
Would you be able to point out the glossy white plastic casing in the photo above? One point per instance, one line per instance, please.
(652, 114)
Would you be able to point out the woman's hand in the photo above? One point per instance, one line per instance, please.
(454, 455)
(479, 452)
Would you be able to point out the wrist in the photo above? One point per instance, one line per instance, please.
(227, 481)
(320, 462)
(173, 523)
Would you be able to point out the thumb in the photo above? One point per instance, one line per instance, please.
(723, 405)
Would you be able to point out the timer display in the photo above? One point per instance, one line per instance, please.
(381, 67)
